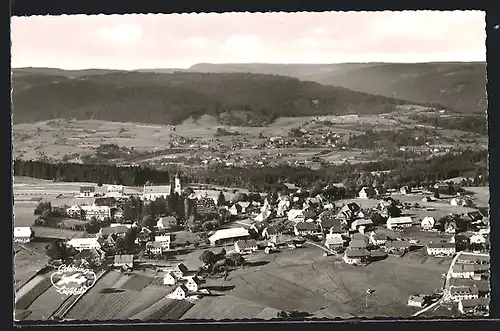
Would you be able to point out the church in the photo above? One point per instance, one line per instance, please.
(153, 192)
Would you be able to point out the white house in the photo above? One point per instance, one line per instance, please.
(235, 210)
(334, 241)
(356, 256)
(74, 211)
(154, 248)
(23, 234)
(192, 284)
(180, 293)
(417, 300)
(164, 241)
(153, 192)
(367, 193)
(170, 279)
(459, 293)
(115, 191)
(361, 222)
(467, 306)
(99, 212)
(477, 239)
(377, 239)
(394, 223)
(246, 246)
(84, 243)
(428, 223)
(166, 222)
(462, 271)
(296, 215)
(441, 249)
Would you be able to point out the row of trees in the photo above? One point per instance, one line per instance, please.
(468, 123)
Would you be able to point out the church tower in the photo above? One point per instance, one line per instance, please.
(178, 188)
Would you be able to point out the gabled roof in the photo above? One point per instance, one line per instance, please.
(399, 220)
(84, 189)
(379, 236)
(306, 226)
(183, 288)
(115, 229)
(357, 244)
(274, 229)
(463, 267)
(165, 221)
(353, 253)
(22, 232)
(151, 189)
(128, 258)
(242, 244)
(479, 302)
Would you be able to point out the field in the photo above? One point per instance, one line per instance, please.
(29, 258)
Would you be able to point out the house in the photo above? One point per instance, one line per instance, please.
(117, 213)
(84, 243)
(450, 227)
(155, 248)
(296, 215)
(179, 270)
(144, 236)
(170, 279)
(360, 237)
(459, 293)
(397, 247)
(361, 222)
(367, 193)
(119, 231)
(192, 284)
(101, 213)
(477, 239)
(405, 190)
(427, 223)
(74, 211)
(378, 254)
(115, 191)
(418, 300)
(474, 306)
(357, 244)
(244, 205)
(124, 261)
(166, 222)
(180, 293)
(205, 205)
(87, 192)
(278, 240)
(395, 223)
(153, 192)
(228, 236)
(377, 239)
(467, 258)
(473, 216)
(235, 210)
(246, 246)
(305, 228)
(164, 241)
(441, 249)
(23, 234)
(462, 271)
(356, 256)
(90, 256)
(105, 201)
(259, 227)
(483, 286)
(334, 241)
(273, 230)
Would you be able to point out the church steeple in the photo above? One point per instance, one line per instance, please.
(178, 188)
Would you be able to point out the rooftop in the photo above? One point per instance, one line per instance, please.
(229, 233)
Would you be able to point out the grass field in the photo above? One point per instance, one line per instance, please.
(46, 304)
(29, 258)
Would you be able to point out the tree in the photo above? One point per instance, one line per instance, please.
(236, 260)
(56, 251)
(93, 226)
(121, 246)
(208, 258)
(43, 206)
(377, 219)
(148, 221)
(221, 199)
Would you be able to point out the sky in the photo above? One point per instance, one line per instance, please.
(181, 40)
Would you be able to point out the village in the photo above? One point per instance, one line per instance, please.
(216, 236)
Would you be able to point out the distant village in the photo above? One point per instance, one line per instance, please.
(352, 232)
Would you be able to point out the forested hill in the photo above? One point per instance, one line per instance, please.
(460, 86)
(169, 98)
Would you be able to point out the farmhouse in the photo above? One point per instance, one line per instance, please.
(155, 248)
(367, 193)
(84, 243)
(235, 210)
(466, 258)
(394, 223)
(327, 219)
(87, 191)
(483, 287)
(356, 256)
(228, 236)
(474, 306)
(180, 293)
(334, 241)
(169, 279)
(450, 227)
(124, 261)
(278, 240)
(166, 222)
(377, 239)
(305, 228)
(273, 230)
(259, 227)
(205, 205)
(153, 192)
(441, 249)
(192, 284)
(477, 239)
(164, 241)
(179, 270)
(99, 212)
(463, 293)
(462, 271)
(361, 222)
(74, 211)
(397, 246)
(428, 223)
(94, 256)
(246, 246)
(418, 300)
(115, 191)
(106, 201)
(119, 231)
(23, 234)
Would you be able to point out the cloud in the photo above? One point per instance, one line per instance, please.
(180, 40)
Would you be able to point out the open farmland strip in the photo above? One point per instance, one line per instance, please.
(26, 299)
(146, 298)
(48, 303)
(110, 305)
(137, 282)
(165, 309)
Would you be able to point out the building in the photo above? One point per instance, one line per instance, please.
(305, 228)
(327, 219)
(154, 248)
(462, 271)
(180, 293)
(405, 190)
(356, 256)
(165, 241)
(467, 258)
(246, 246)
(166, 222)
(441, 249)
(115, 191)
(259, 227)
(228, 236)
(397, 247)
(177, 185)
(74, 212)
(361, 222)
(377, 239)
(180, 271)
(296, 215)
(450, 227)
(192, 284)
(273, 230)
(397, 223)
(119, 231)
(87, 192)
(101, 213)
(205, 205)
(418, 300)
(334, 241)
(235, 209)
(90, 256)
(170, 279)
(84, 243)
(117, 213)
(483, 286)
(477, 239)
(124, 261)
(153, 192)
(367, 193)
(479, 306)
(458, 293)
(23, 234)
(428, 223)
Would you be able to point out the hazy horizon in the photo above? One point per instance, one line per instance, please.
(178, 41)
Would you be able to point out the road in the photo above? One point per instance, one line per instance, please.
(446, 291)
(321, 246)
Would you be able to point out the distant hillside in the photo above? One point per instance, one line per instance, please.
(459, 86)
(172, 97)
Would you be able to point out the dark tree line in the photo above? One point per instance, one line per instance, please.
(468, 123)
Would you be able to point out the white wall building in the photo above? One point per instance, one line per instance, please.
(84, 243)
(23, 234)
(99, 212)
(399, 222)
